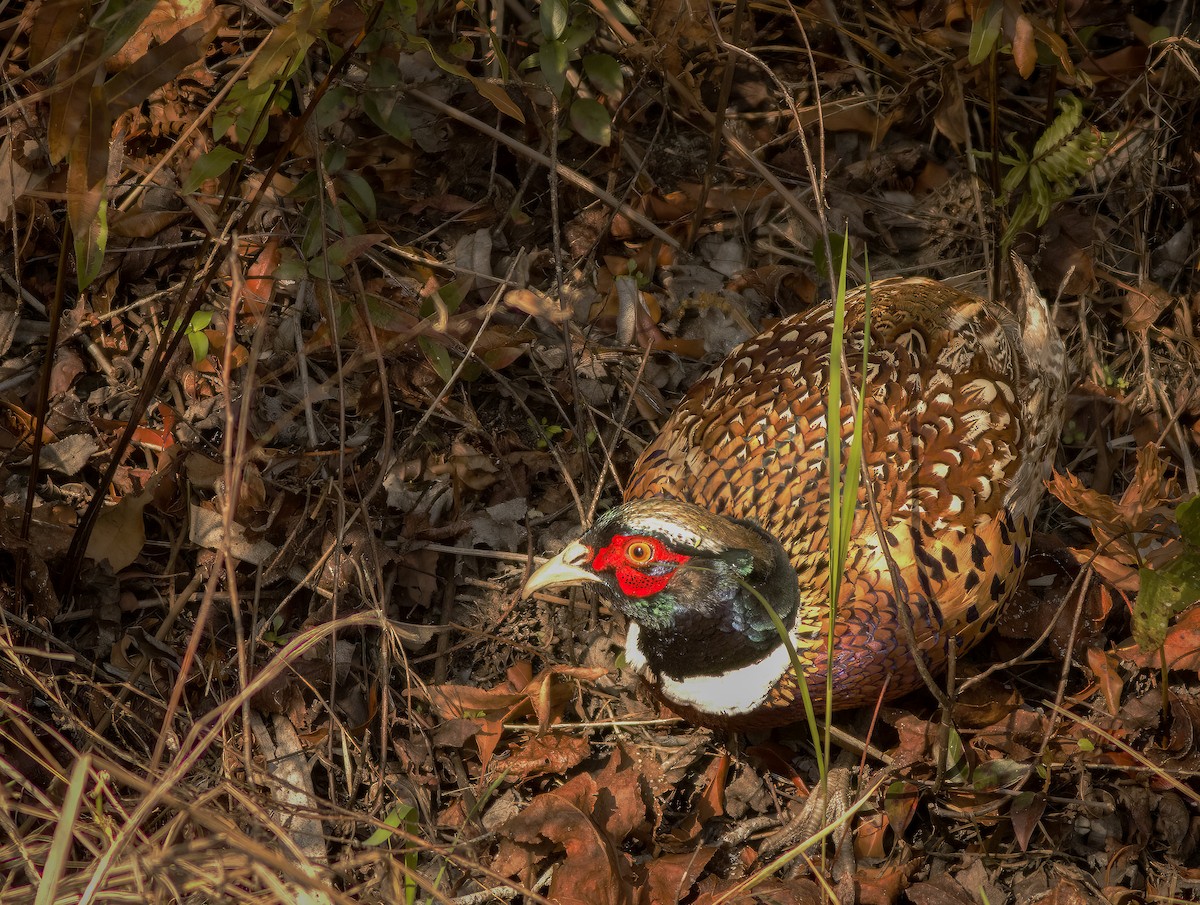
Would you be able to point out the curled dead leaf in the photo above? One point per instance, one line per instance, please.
(536, 304)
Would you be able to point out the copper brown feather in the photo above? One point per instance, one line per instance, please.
(963, 406)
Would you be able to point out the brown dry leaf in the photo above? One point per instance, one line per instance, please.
(470, 467)
(49, 24)
(20, 424)
(87, 172)
(553, 753)
(70, 100)
(206, 528)
(120, 532)
(593, 870)
(943, 890)
(547, 695)
(142, 224)
(149, 71)
(1025, 812)
(772, 892)
(871, 837)
(669, 878)
(1100, 508)
(539, 694)
(453, 701)
(1145, 493)
(1065, 892)
(1143, 305)
(1107, 669)
(900, 805)
(1120, 64)
(1183, 728)
(950, 118)
(1016, 736)
(1024, 49)
(709, 804)
(881, 885)
(417, 575)
(165, 21)
(258, 287)
(537, 304)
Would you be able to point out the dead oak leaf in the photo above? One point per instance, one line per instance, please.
(553, 753)
(593, 870)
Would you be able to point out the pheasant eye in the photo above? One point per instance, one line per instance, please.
(639, 552)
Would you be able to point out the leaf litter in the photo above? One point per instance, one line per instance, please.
(335, 362)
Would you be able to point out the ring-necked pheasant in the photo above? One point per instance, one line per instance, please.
(964, 404)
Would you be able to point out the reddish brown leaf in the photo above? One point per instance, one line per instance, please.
(942, 890)
(159, 65)
(1024, 49)
(669, 878)
(870, 837)
(165, 20)
(1025, 812)
(593, 871)
(900, 805)
(258, 288)
(881, 885)
(70, 100)
(67, 366)
(1078, 497)
(452, 701)
(1107, 669)
(1143, 305)
(50, 23)
(1065, 892)
(553, 753)
(142, 224)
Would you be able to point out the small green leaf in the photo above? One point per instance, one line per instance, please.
(291, 268)
(605, 73)
(622, 12)
(325, 268)
(1187, 515)
(438, 358)
(997, 774)
(199, 344)
(579, 32)
(1163, 593)
(591, 120)
(985, 32)
(358, 192)
(90, 246)
(837, 244)
(552, 58)
(211, 165)
(957, 766)
(201, 320)
(386, 111)
(553, 18)
(402, 814)
(1086, 745)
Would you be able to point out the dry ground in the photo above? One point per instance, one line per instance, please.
(319, 320)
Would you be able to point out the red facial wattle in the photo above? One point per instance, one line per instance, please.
(633, 577)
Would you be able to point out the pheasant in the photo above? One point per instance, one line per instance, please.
(963, 408)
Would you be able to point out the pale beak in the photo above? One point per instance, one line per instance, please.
(566, 568)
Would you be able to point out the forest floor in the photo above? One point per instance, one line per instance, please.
(319, 322)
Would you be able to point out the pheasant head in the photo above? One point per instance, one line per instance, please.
(694, 586)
